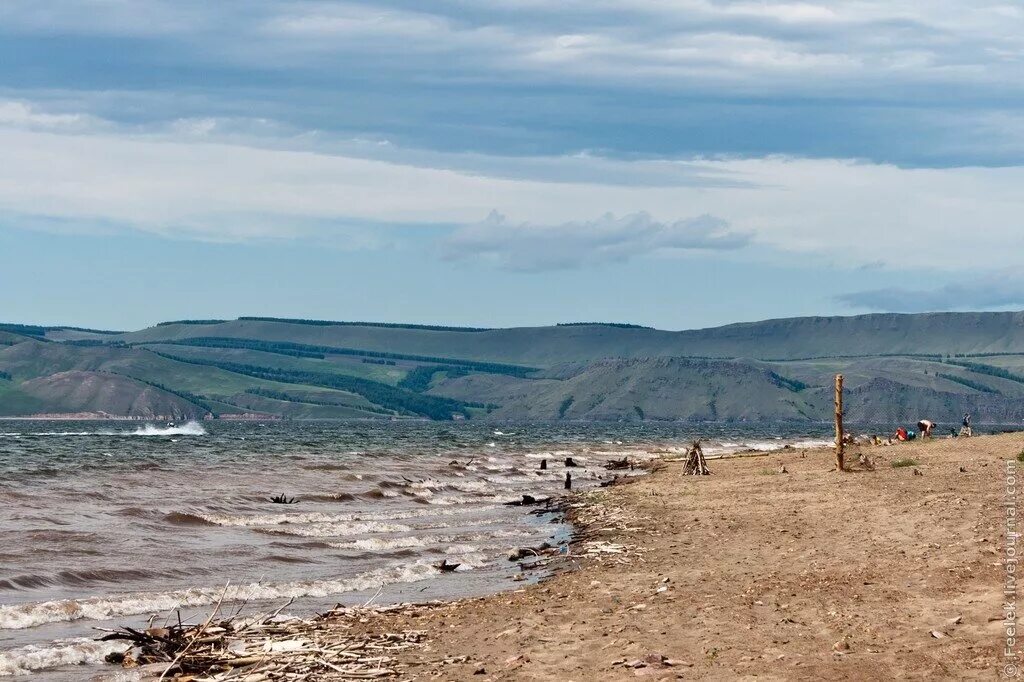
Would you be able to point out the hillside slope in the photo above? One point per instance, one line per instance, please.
(897, 368)
(96, 392)
(786, 339)
(644, 388)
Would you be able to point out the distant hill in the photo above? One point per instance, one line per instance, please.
(786, 339)
(898, 367)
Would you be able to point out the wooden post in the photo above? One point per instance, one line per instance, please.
(840, 446)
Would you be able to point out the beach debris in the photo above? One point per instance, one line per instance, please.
(568, 481)
(609, 483)
(917, 472)
(527, 501)
(446, 567)
(520, 553)
(782, 469)
(616, 464)
(543, 465)
(938, 634)
(695, 464)
(268, 647)
(283, 499)
(570, 462)
(656, 660)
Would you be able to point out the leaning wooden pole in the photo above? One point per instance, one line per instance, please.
(840, 445)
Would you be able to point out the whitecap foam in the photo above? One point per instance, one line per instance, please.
(334, 530)
(30, 659)
(257, 520)
(549, 455)
(186, 429)
(450, 500)
(20, 616)
(71, 433)
(401, 542)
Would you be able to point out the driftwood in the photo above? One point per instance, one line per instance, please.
(446, 567)
(540, 550)
(265, 648)
(527, 501)
(695, 464)
(283, 499)
(570, 462)
(617, 464)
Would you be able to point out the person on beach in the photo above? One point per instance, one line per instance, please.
(925, 428)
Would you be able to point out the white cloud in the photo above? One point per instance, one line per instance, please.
(24, 115)
(808, 47)
(106, 17)
(608, 239)
(209, 186)
(998, 290)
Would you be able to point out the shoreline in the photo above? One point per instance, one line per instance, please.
(777, 568)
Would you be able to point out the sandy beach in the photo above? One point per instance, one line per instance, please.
(774, 567)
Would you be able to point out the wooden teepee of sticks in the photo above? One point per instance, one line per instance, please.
(695, 464)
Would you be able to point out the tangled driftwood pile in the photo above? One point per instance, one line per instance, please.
(266, 648)
(695, 464)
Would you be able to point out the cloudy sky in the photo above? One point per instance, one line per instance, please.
(508, 162)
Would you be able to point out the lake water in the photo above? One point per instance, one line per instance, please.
(112, 523)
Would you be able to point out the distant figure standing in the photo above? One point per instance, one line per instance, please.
(925, 427)
(965, 430)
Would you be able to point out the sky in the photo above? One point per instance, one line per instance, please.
(508, 162)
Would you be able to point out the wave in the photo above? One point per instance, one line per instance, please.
(186, 519)
(384, 544)
(71, 433)
(85, 577)
(331, 530)
(186, 429)
(79, 651)
(333, 497)
(257, 520)
(21, 616)
(727, 447)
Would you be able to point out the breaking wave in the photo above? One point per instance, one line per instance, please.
(30, 659)
(187, 429)
(257, 520)
(20, 616)
(333, 530)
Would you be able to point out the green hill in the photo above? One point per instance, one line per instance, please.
(898, 367)
(787, 339)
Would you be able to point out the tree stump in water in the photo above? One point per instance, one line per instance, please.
(695, 464)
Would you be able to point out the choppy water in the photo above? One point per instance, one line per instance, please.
(108, 523)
